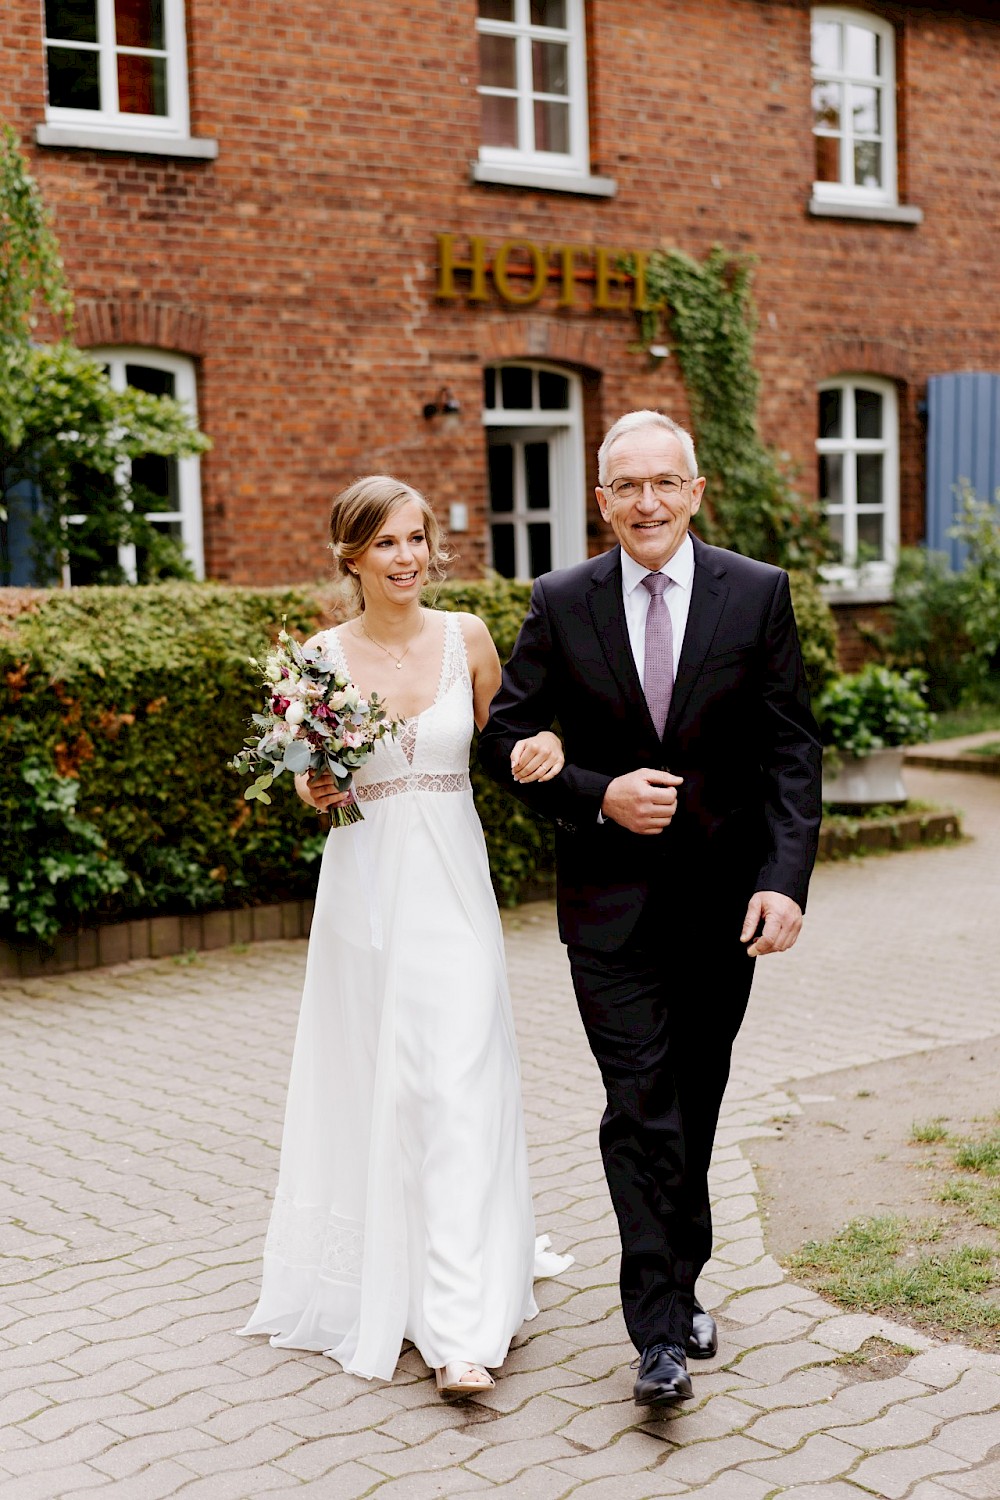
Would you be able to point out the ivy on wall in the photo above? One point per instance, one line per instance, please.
(708, 311)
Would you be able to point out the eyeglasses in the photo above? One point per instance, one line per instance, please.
(662, 485)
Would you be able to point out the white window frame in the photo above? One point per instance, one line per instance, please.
(567, 513)
(109, 116)
(189, 512)
(576, 161)
(846, 190)
(875, 576)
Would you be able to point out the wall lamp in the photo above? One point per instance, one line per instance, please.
(443, 405)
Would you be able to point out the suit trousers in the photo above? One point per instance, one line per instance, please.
(661, 1015)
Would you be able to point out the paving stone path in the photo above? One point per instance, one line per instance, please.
(141, 1108)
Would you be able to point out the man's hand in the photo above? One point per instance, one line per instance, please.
(644, 801)
(782, 919)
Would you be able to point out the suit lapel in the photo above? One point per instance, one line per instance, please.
(708, 596)
(607, 611)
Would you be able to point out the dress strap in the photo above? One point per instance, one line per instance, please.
(455, 664)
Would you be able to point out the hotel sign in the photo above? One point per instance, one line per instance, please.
(519, 272)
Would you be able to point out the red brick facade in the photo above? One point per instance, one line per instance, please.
(298, 269)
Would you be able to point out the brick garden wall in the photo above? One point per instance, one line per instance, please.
(299, 268)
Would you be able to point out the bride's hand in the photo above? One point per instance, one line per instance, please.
(538, 758)
(320, 791)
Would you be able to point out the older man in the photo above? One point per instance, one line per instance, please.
(686, 820)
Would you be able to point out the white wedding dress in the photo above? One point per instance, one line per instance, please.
(403, 1208)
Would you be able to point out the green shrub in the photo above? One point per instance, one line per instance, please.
(817, 631)
(874, 709)
(119, 709)
(947, 623)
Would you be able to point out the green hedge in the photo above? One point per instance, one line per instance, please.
(118, 711)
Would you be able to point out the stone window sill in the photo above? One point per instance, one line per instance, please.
(132, 142)
(553, 182)
(882, 213)
(858, 593)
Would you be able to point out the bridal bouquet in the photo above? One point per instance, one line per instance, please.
(314, 719)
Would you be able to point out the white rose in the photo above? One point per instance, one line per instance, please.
(351, 696)
(295, 712)
(338, 701)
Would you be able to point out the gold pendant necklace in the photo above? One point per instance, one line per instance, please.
(399, 660)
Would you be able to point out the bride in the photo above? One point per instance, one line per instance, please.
(403, 1208)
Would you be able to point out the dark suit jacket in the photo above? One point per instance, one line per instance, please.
(739, 731)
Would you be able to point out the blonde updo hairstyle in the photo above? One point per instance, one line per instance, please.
(360, 512)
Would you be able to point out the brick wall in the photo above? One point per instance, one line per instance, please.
(299, 268)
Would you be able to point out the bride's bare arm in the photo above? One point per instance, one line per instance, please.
(540, 756)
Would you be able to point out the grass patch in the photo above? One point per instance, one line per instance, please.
(928, 1132)
(993, 748)
(975, 719)
(941, 1273)
(876, 1359)
(875, 1264)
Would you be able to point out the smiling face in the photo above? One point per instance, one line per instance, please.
(394, 567)
(649, 529)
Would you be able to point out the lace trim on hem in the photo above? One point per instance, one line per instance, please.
(315, 1237)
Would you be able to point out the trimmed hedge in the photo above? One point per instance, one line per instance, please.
(118, 711)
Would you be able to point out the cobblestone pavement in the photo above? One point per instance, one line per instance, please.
(142, 1106)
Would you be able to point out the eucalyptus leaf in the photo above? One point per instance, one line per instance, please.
(297, 756)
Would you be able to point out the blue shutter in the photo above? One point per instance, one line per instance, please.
(963, 442)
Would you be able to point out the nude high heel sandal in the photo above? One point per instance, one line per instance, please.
(461, 1378)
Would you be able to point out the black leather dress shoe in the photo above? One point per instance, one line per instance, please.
(663, 1379)
(703, 1340)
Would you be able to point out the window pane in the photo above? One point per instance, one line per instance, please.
(826, 45)
(498, 120)
(868, 414)
(139, 23)
(870, 543)
(826, 106)
(146, 378)
(866, 108)
(863, 53)
(142, 84)
(830, 418)
(503, 550)
(831, 478)
(835, 525)
(73, 79)
(154, 483)
(540, 547)
(71, 20)
(515, 388)
(501, 462)
(551, 127)
(553, 391)
(497, 62)
(827, 158)
(536, 470)
(489, 389)
(549, 67)
(868, 164)
(548, 13)
(870, 490)
(496, 10)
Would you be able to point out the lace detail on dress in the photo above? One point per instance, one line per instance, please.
(316, 1238)
(408, 738)
(421, 781)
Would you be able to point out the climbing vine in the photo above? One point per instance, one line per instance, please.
(707, 310)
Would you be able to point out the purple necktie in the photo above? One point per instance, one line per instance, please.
(658, 673)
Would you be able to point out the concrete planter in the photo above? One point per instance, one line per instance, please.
(863, 780)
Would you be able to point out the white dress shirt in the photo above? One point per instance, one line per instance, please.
(680, 570)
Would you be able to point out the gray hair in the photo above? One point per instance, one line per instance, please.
(636, 419)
